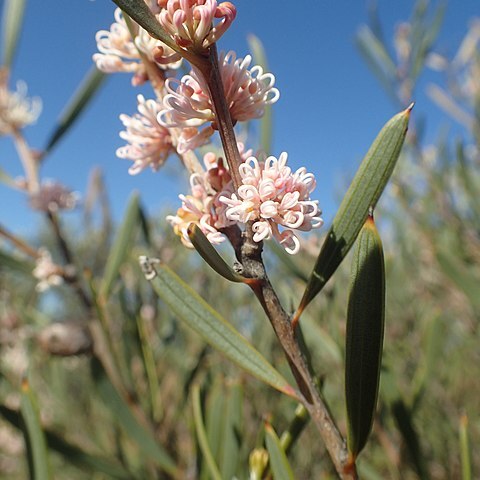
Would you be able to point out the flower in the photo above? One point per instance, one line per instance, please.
(188, 105)
(53, 196)
(189, 22)
(46, 271)
(203, 206)
(16, 109)
(272, 196)
(120, 53)
(149, 143)
(197, 208)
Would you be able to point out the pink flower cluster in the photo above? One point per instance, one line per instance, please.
(149, 143)
(272, 196)
(188, 105)
(189, 22)
(119, 52)
(203, 206)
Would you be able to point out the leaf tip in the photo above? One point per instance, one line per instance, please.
(409, 108)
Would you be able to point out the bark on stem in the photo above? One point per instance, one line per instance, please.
(211, 74)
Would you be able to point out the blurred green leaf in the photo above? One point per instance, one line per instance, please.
(6, 179)
(71, 452)
(81, 98)
(290, 264)
(12, 17)
(13, 262)
(295, 428)
(208, 252)
(232, 432)
(377, 58)
(214, 420)
(465, 457)
(260, 58)
(202, 436)
(123, 414)
(404, 421)
(278, 459)
(211, 326)
(363, 194)
(35, 438)
(434, 339)
(121, 246)
(460, 275)
(364, 337)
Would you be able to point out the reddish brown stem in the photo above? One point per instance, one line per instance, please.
(211, 74)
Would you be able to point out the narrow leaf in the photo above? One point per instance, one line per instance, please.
(465, 280)
(125, 417)
(12, 17)
(36, 443)
(81, 98)
(363, 194)
(202, 436)
(260, 58)
(278, 459)
(189, 307)
(73, 454)
(404, 421)
(295, 428)
(465, 456)
(13, 262)
(364, 338)
(211, 256)
(6, 179)
(120, 248)
(232, 432)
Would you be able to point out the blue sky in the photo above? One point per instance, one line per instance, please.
(331, 107)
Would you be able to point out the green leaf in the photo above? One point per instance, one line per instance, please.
(189, 307)
(232, 432)
(122, 413)
(465, 280)
(73, 454)
(295, 428)
(35, 437)
(278, 459)
(216, 404)
(364, 337)
(13, 262)
(81, 98)
(6, 179)
(465, 456)
(363, 194)
(211, 256)
(12, 17)
(404, 421)
(121, 247)
(202, 436)
(260, 58)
